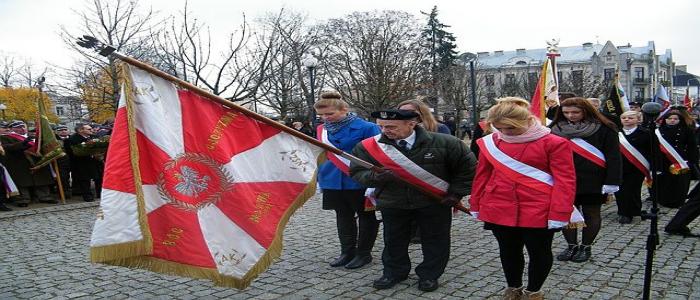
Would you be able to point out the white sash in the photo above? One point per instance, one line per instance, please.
(670, 152)
(589, 151)
(513, 164)
(637, 158)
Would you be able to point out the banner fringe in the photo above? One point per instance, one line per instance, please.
(103, 254)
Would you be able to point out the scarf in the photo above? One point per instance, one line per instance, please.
(581, 129)
(534, 132)
(334, 127)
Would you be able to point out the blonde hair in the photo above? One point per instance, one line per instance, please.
(510, 111)
(425, 117)
(637, 114)
(331, 98)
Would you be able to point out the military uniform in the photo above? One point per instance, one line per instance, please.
(84, 168)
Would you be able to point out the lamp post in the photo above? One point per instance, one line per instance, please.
(310, 62)
(471, 57)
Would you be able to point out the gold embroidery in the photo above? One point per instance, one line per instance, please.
(172, 236)
(232, 258)
(262, 207)
(216, 134)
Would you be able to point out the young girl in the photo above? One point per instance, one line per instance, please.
(635, 144)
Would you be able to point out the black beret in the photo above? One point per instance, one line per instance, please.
(394, 114)
(636, 103)
(61, 127)
(3, 124)
(16, 124)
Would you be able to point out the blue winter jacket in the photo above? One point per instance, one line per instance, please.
(330, 177)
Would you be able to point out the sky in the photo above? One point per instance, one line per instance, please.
(29, 29)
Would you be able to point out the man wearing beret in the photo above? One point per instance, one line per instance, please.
(84, 169)
(439, 163)
(19, 160)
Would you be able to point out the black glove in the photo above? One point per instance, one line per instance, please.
(450, 200)
(385, 176)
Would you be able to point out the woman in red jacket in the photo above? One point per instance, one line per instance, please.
(524, 191)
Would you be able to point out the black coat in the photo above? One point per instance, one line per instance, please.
(590, 178)
(683, 140)
(82, 167)
(640, 140)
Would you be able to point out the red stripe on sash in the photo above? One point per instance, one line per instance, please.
(372, 147)
(330, 155)
(587, 155)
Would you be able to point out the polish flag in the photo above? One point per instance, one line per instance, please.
(546, 89)
(196, 189)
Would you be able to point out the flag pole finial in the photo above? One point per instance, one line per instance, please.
(90, 42)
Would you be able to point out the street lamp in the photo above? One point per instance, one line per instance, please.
(3, 107)
(310, 62)
(471, 57)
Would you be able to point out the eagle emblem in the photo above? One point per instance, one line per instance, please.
(191, 183)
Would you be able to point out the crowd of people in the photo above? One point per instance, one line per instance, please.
(525, 181)
(27, 181)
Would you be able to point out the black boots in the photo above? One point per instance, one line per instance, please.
(359, 261)
(568, 253)
(343, 259)
(583, 254)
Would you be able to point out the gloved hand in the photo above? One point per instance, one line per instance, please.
(385, 176)
(450, 200)
(551, 224)
(609, 189)
(474, 214)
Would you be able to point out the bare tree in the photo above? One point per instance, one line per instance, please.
(8, 70)
(122, 24)
(583, 83)
(373, 58)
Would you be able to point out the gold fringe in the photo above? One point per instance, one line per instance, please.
(577, 225)
(105, 254)
(134, 156)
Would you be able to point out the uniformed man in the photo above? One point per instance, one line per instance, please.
(84, 169)
(436, 162)
(18, 161)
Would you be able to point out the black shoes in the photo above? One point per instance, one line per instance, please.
(3, 207)
(22, 204)
(342, 260)
(386, 282)
(684, 232)
(624, 220)
(568, 253)
(583, 254)
(358, 262)
(427, 285)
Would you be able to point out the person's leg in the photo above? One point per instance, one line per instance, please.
(571, 237)
(367, 234)
(686, 214)
(629, 199)
(591, 213)
(24, 196)
(395, 259)
(510, 247)
(345, 225)
(43, 193)
(538, 242)
(434, 223)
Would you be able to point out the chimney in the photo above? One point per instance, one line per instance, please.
(482, 54)
(520, 51)
(498, 52)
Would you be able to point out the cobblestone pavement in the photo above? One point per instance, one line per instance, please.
(44, 256)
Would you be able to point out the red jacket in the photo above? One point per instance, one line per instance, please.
(501, 200)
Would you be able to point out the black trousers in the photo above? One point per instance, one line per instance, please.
(688, 212)
(434, 224)
(629, 198)
(83, 186)
(537, 241)
(357, 236)
(673, 189)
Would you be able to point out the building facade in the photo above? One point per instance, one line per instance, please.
(586, 70)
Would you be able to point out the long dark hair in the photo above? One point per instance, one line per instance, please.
(589, 112)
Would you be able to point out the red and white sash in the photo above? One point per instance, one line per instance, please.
(392, 159)
(635, 157)
(520, 172)
(343, 164)
(671, 153)
(588, 151)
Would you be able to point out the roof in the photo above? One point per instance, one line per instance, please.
(571, 54)
(683, 78)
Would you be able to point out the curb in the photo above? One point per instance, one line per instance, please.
(50, 209)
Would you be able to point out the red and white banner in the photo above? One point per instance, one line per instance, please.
(635, 157)
(522, 173)
(391, 158)
(342, 163)
(588, 151)
(196, 189)
(678, 164)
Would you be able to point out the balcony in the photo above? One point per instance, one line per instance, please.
(641, 81)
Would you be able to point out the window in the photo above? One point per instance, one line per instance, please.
(559, 75)
(638, 72)
(639, 94)
(608, 74)
(60, 111)
(532, 78)
(510, 79)
(489, 80)
(577, 77)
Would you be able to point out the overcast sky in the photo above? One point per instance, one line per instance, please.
(29, 28)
